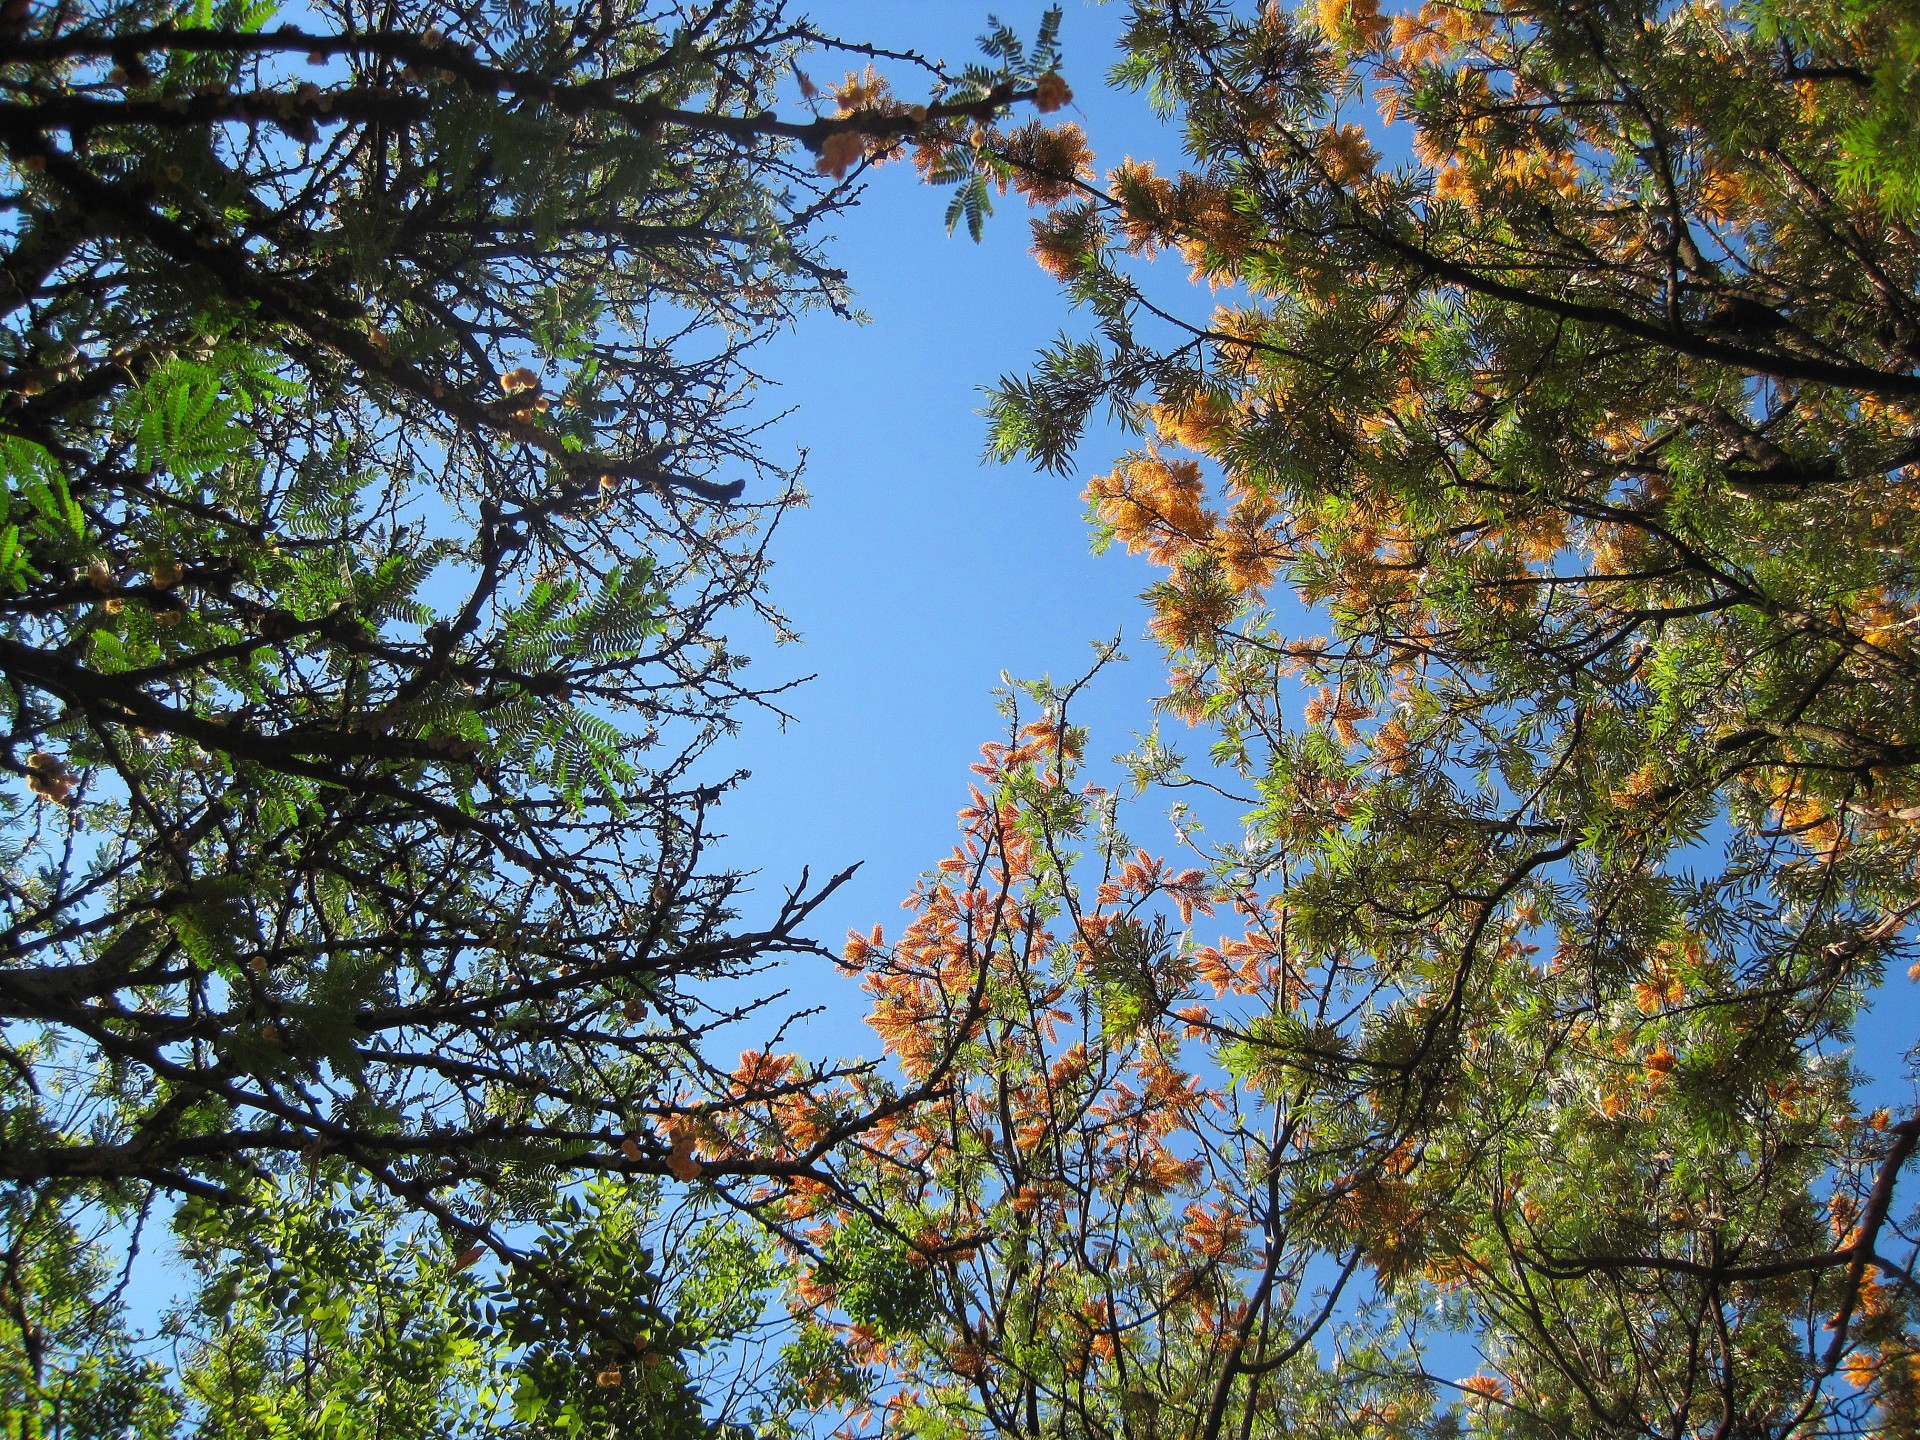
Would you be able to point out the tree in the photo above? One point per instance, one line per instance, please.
(320, 1323)
(1570, 854)
(384, 501)
(1155, 1193)
(322, 1310)
(70, 1364)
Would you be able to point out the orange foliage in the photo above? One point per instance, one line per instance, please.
(1355, 21)
(1049, 161)
(1153, 506)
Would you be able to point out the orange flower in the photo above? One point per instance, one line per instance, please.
(1346, 154)
(864, 91)
(1355, 21)
(1486, 1387)
(1144, 199)
(1153, 506)
(1050, 94)
(1454, 183)
(758, 1071)
(1049, 161)
(1058, 248)
(681, 1157)
(1250, 548)
(1660, 993)
(840, 152)
(1390, 745)
(1861, 1368)
(1723, 196)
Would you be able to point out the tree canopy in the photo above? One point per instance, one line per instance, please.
(1573, 390)
(386, 505)
(384, 497)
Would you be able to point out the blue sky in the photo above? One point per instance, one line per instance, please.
(919, 573)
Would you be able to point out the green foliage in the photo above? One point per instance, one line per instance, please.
(1007, 62)
(69, 1364)
(875, 1280)
(321, 1312)
(1870, 55)
(590, 1279)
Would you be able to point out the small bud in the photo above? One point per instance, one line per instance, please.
(683, 1159)
(840, 152)
(1050, 94)
(53, 788)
